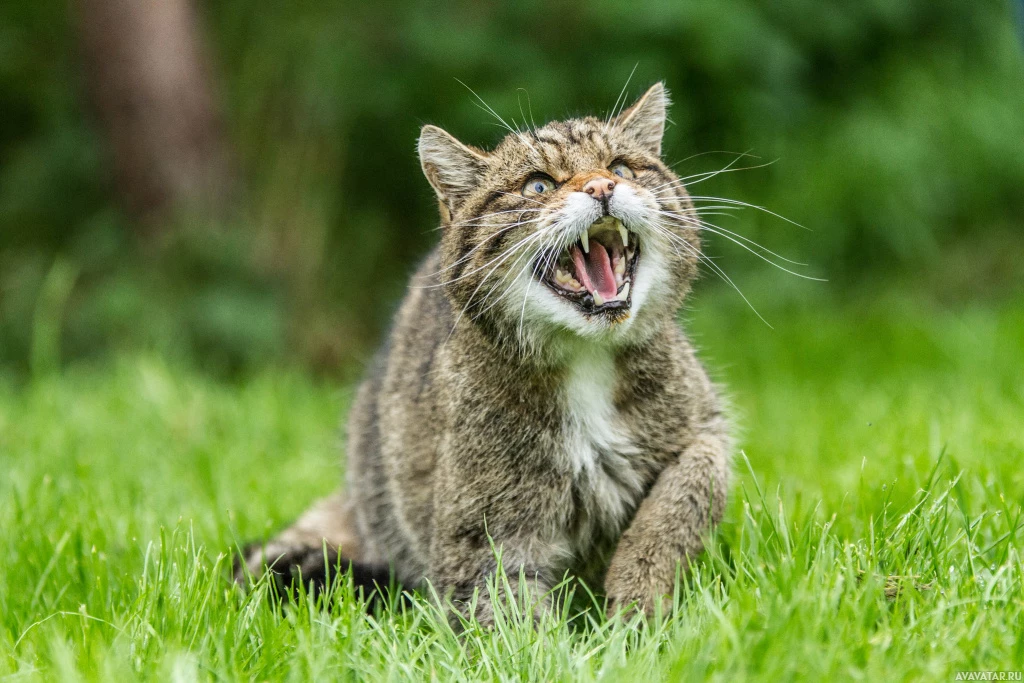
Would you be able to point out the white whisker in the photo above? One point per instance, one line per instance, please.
(739, 240)
(529, 107)
(469, 253)
(521, 244)
(477, 219)
(487, 108)
(737, 202)
(711, 264)
(621, 98)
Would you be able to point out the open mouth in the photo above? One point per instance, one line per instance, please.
(597, 271)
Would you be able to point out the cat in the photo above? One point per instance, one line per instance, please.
(536, 391)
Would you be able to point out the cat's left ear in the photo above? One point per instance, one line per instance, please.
(645, 120)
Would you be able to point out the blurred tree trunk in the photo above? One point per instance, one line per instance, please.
(150, 86)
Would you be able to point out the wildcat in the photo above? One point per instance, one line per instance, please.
(536, 390)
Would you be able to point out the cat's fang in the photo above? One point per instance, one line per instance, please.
(623, 233)
(585, 240)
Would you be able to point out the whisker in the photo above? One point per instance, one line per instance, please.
(476, 219)
(707, 175)
(507, 290)
(621, 98)
(469, 253)
(475, 270)
(552, 252)
(737, 202)
(696, 222)
(680, 181)
(740, 239)
(509, 253)
(714, 266)
(701, 177)
(503, 257)
(714, 151)
(712, 174)
(529, 107)
(487, 108)
(519, 196)
(733, 237)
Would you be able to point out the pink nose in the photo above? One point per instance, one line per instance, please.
(600, 187)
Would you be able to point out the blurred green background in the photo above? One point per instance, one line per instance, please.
(210, 208)
(894, 129)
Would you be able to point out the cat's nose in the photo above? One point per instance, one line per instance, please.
(599, 187)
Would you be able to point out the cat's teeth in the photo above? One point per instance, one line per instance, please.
(620, 266)
(624, 294)
(618, 278)
(585, 239)
(598, 299)
(624, 234)
(563, 278)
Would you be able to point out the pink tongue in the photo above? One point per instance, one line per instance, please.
(595, 270)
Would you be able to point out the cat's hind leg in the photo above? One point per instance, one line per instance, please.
(322, 540)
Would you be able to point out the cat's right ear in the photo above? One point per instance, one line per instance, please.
(453, 169)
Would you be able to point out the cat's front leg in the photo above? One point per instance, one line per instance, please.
(670, 526)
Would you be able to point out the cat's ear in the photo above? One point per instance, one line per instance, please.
(645, 120)
(453, 169)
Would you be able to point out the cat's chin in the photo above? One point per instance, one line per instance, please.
(596, 273)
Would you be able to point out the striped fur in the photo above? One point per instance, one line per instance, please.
(588, 444)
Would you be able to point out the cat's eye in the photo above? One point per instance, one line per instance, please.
(538, 184)
(622, 171)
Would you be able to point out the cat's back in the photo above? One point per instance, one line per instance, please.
(393, 425)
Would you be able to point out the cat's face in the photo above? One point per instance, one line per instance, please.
(576, 227)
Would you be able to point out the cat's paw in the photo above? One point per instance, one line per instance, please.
(634, 592)
(630, 605)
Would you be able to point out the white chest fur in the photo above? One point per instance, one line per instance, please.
(598, 447)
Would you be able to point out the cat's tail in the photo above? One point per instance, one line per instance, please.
(307, 554)
(311, 569)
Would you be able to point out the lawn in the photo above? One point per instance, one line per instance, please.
(874, 531)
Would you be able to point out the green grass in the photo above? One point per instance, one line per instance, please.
(874, 534)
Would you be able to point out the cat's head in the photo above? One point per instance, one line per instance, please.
(576, 228)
